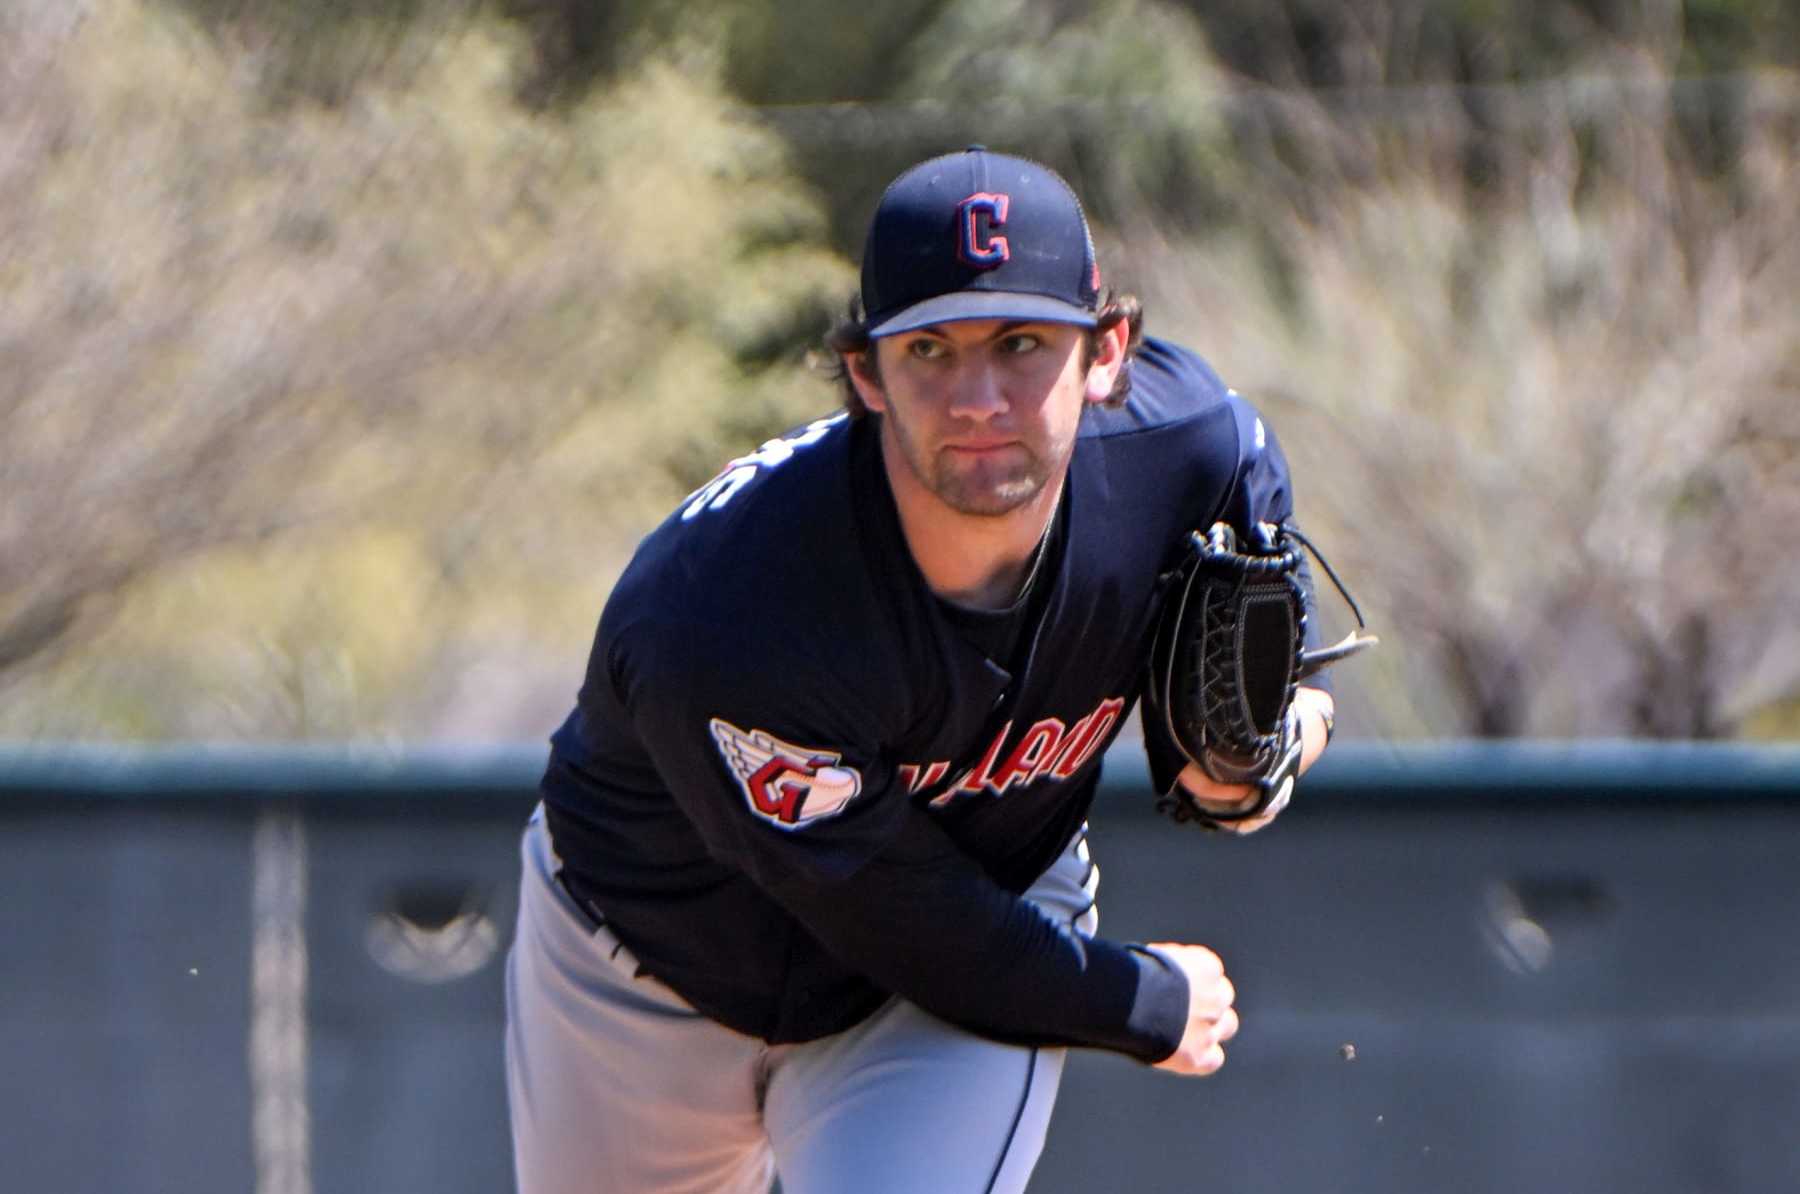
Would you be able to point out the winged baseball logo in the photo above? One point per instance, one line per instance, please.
(786, 785)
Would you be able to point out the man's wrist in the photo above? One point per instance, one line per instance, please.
(1320, 702)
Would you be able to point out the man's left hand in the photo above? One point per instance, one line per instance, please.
(1315, 707)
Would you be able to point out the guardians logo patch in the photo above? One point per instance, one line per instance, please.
(786, 785)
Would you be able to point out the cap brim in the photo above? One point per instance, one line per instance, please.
(983, 304)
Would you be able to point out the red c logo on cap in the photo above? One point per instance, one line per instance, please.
(970, 247)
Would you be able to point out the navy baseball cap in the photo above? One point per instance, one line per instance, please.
(978, 235)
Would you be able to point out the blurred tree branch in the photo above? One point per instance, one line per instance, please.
(236, 320)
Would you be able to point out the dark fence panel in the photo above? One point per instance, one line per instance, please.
(1487, 1000)
(1473, 968)
(124, 998)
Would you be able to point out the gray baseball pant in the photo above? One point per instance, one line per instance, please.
(617, 1085)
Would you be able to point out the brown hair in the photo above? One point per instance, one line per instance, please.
(852, 336)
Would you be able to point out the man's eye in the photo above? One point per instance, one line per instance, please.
(1020, 342)
(925, 350)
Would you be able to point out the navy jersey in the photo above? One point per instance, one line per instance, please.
(792, 786)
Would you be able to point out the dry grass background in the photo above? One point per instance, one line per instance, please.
(1552, 421)
(332, 413)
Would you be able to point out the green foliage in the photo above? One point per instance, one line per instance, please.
(324, 50)
(822, 51)
(1722, 35)
(1122, 95)
(1335, 43)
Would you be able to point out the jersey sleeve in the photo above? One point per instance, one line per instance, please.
(1263, 491)
(787, 782)
(921, 919)
(1261, 487)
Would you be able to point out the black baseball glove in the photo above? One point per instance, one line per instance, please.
(1228, 652)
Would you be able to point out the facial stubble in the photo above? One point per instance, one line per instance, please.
(984, 488)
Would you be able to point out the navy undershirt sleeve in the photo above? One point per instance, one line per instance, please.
(923, 920)
(881, 886)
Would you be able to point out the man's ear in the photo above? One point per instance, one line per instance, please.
(1109, 358)
(863, 375)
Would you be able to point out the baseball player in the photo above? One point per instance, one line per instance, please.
(808, 892)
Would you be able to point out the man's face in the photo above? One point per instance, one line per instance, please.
(983, 412)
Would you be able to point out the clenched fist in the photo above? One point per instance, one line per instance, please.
(1211, 1019)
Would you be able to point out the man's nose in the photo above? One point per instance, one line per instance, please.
(977, 392)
